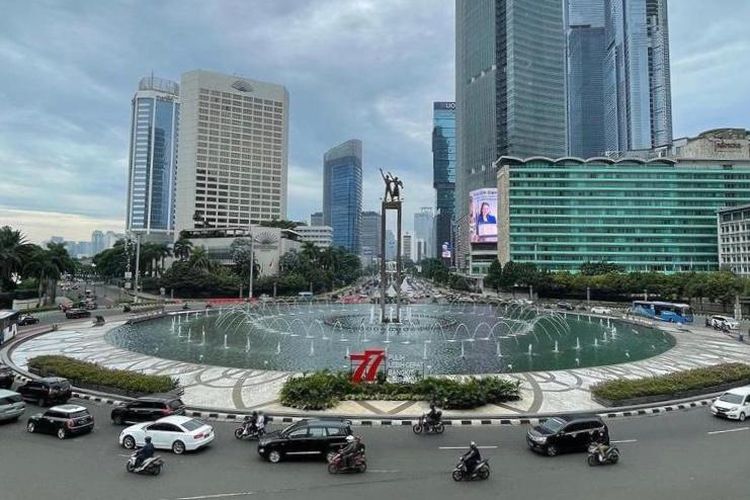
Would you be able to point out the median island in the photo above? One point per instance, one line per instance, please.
(678, 385)
(325, 389)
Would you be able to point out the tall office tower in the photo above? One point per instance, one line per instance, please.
(390, 245)
(316, 219)
(424, 229)
(369, 236)
(153, 157)
(584, 33)
(342, 193)
(97, 242)
(406, 242)
(443, 173)
(232, 168)
(637, 88)
(510, 91)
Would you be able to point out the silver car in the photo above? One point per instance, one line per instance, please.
(11, 405)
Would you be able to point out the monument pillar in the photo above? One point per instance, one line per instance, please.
(391, 201)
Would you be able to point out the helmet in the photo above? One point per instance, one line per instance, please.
(349, 439)
(472, 445)
(254, 413)
(148, 439)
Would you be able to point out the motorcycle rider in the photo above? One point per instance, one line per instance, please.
(349, 451)
(259, 421)
(249, 424)
(433, 417)
(144, 453)
(602, 447)
(472, 458)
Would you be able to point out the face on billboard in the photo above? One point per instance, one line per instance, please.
(483, 215)
(446, 253)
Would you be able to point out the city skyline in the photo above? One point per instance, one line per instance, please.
(83, 127)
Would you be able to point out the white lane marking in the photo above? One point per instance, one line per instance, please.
(623, 441)
(383, 471)
(738, 429)
(220, 495)
(466, 447)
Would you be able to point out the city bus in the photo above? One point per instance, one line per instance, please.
(8, 324)
(665, 311)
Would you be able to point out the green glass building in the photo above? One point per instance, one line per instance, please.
(655, 215)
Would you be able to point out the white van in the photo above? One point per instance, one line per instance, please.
(734, 404)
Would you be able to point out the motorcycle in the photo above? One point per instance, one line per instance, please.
(611, 456)
(358, 464)
(248, 430)
(428, 426)
(461, 473)
(151, 465)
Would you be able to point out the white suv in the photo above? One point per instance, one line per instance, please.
(601, 310)
(723, 323)
(734, 404)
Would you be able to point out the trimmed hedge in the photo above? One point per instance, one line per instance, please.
(91, 375)
(325, 389)
(673, 383)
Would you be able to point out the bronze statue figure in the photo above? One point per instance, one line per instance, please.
(392, 186)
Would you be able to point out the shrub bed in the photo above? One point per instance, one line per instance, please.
(671, 386)
(324, 389)
(93, 376)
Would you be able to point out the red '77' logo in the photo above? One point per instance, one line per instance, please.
(369, 362)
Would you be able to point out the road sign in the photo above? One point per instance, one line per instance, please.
(128, 275)
(127, 285)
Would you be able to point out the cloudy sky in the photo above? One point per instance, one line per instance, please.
(368, 69)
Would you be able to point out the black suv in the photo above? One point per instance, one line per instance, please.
(46, 390)
(77, 313)
(566, 433)
(63, 421)
(6, 377)
(27, 319)
(306, 437)
(148, 409)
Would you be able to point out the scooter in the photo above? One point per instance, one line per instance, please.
(358, 464)
(426, 426)
(151, 465)
(248, 430)
(461, 472)
(611, 456)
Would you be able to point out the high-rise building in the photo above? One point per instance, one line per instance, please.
(232, 168)
(369, 235)
(316, 219)
(342, 193)
(510, 92)
(320, 236)
(424, 229)
(98, 242)
(584, 32)
(406, 241)
(390, 245)
(153, 156)
(637, 87)
(443, 172)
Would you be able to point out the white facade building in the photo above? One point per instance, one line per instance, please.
(232, 168)
(320, 236)
(734, 239)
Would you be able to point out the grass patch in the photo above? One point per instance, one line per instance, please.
(689, 380)
(325, 389)
(93, 376)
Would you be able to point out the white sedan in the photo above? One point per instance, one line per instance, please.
(601, 310)
(176, 433)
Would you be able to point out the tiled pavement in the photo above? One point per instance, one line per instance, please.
(235, 390)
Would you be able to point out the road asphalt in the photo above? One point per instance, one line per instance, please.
(687, 455)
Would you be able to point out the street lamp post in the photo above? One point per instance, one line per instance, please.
(252, 268)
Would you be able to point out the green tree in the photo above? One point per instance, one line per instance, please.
(15, 250)
(41, 266)
(183, 247)
(600, 268)
(494, 278)
(200, 260)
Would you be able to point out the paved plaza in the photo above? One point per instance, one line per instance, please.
(235, 390)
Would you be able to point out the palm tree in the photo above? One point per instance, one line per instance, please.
(14, 250)
(200, 259)
(61, 259)
(183, 248)
(43, 267)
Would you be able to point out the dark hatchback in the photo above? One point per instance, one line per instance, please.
(148, 409)
(566, 433)
(6, 377)
(46, 390)
(77, 313)
(322, 437)
(62, 421)
(27, 319)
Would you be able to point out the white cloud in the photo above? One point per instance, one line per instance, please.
(40, 225)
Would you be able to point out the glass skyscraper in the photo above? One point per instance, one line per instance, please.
(443, 172)
(636, 74)
(153, 156)
(584, 22)
(342, 193)
(510, 90)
